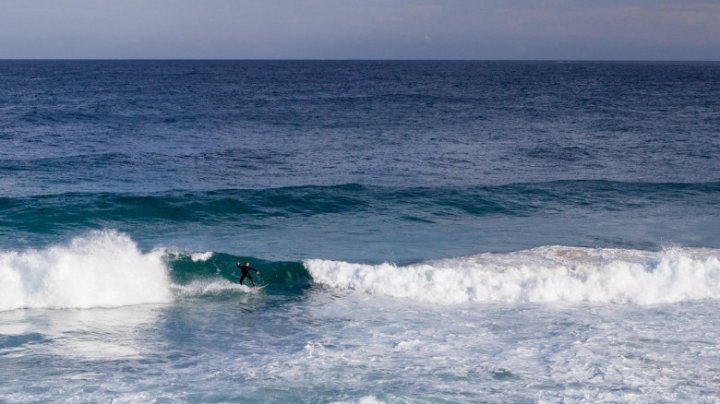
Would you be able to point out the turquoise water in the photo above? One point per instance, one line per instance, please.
(424, 231)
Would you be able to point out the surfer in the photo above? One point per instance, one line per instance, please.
(245, 272)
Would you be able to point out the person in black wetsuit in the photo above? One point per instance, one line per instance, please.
(245, 272)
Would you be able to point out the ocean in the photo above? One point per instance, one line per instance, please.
(424, 231)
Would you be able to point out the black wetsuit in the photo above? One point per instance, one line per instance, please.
(245, 272)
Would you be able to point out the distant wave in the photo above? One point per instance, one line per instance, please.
(545, 274)
(420, 204)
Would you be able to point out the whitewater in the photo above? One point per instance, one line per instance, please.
(543, 274)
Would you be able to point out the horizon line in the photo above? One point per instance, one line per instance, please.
(367, 60)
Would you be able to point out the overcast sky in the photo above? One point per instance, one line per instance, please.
(361, 29)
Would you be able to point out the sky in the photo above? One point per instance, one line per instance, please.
(361, 29)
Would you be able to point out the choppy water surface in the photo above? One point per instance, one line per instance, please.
(425, 231)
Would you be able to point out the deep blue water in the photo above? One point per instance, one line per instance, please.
(320, 171)
(232, 156)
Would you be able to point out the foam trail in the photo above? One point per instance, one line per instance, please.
(210, 287)
(545, 274)
(102, 269)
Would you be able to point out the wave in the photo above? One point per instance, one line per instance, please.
(425, 204)
(107, 269)
(545, 274)
(218, 270)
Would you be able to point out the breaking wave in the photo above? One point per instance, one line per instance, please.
(102, 269)
(545, 274)
(107, 269)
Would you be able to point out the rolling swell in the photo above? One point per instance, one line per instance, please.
(44, 213)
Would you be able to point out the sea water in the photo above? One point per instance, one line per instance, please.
(424, 231)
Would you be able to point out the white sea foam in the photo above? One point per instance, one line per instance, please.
(209, 287)
(102, 269)
(201, 257)
(545, 274)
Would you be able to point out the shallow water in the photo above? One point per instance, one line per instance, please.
(325, 346)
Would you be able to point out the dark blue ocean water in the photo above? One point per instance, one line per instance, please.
(509, 194)
(361, 160)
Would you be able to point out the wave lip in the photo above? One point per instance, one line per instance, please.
(102, 269)
(545, 274)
